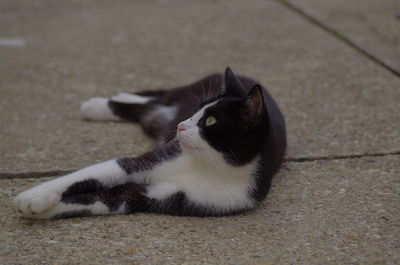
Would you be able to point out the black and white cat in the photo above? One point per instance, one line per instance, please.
(219, 141)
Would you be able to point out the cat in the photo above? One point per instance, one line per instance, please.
(219, 141)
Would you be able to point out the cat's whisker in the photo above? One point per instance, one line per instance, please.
(204, 91)
(208, 90)
(195, 96)
(209, 95)
(171, 136)
(167, 144)
(204, 151)
(213, 87)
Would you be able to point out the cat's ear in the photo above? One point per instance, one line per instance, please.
(254, 105)
(233, 86)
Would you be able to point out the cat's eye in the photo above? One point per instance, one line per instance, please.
(210, 120)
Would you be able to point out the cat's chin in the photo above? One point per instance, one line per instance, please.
(187, 146)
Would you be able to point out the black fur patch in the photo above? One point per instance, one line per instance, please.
(82, 187)
(179, 205)
(128, 111)
(234, 87)
(149, 160)
(72, 214)
(233, 134)
(83, 199)
(130, 193)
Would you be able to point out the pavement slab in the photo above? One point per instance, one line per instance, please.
(320, 212)
(372, 25)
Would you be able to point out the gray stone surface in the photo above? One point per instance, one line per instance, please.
(336, 102)
(330, 212)
(372, 25)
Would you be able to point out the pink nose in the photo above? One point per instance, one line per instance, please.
(181, 127)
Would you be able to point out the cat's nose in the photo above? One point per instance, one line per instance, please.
(181, 127)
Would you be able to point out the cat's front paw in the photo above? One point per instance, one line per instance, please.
(35, 201)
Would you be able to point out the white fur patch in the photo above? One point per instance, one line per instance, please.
(161, 191)
(97, 109)
(97, 208)
(131, 98)
(161, 114)
(223, 187)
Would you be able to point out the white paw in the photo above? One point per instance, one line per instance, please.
(97, 109)
(35, 201)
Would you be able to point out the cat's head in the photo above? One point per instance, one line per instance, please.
(234, 125)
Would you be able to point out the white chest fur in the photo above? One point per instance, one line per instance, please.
(223, 187)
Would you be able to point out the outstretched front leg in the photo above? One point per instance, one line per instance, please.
(37, 200)
(98, 189)
(121, 199)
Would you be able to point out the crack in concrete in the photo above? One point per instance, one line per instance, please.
(338, 36)
(34, 174)
(338, 157)
(55, 173)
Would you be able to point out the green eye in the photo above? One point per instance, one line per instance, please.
(210, 120)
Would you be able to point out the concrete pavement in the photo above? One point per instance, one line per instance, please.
(335, 201)
(371, 25)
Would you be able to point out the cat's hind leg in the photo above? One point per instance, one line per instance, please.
(97, 109)
(149, 108)
(124, 106)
